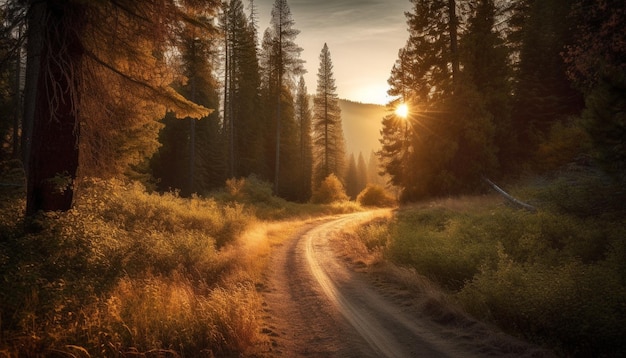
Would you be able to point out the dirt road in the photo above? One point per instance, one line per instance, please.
(316, 305)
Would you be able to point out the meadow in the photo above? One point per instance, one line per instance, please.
(555, 277)
(132, 273)
(128, 273)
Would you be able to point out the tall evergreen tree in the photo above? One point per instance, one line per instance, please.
(184, 162)
(373, 170)
(305, 158)
(416, 150)
(596, 66)
(486, 68)
(12, 17)
(361, 170)
(351, 178)
(283, 64)
(241, 97)
(75, 37)
(328, 141)
(445, 143)
(543, 94)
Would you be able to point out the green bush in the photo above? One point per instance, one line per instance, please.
(556, 276)
(584, 193)
(435, 244)
(374, 234)
(575, 307)
(330, 191)
(375, 195)
(564, 144)
(251, 190)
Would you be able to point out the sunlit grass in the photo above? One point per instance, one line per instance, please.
(128, 273)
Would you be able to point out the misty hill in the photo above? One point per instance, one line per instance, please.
(361, 126)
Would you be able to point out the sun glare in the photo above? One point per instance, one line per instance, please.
(402, 110)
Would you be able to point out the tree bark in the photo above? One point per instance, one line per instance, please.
(454, 48)
(53, 159)
(17, 98)
(34, 44)
(278, 109)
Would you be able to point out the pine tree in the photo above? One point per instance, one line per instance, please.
(373, 170)
(12, 16)
(289, 149)
(282, 64)
(352, 179)
(54, 158)
(76, 39)
(361, 170)
(543, 93)
(328, 142)
(596, 66)
(242, 85)
(415, 151)
(446, 141)
(486, 68)
(305, 158)
(184, 161)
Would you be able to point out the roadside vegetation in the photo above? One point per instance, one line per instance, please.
(127, 272)
(556, 277)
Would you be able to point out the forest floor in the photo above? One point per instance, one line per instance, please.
(319, 301)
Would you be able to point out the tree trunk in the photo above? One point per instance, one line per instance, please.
(278, 109)
(53, 160)
(34, 44)
(454, 48)
(18, 102)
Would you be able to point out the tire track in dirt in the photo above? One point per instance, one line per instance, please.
(382, 324)
(317, 306)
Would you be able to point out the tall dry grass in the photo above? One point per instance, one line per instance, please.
(127, 272)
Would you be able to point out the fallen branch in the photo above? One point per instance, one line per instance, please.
(510, 198)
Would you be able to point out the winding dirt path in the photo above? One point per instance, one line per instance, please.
(318, 306)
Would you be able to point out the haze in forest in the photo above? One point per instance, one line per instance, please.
(361, 126)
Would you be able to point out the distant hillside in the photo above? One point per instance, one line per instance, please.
(361, 126)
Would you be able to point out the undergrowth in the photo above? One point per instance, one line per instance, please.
(257, 195)
(126, 272)
(556, 276)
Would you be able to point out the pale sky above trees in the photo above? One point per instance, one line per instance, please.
(364, 35)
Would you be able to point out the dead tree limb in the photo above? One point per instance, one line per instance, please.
(511, 199)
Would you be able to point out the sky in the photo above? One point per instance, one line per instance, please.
(363, 37)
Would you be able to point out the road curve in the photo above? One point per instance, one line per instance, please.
(382, 324)
(317, 306)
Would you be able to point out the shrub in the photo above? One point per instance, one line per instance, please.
(375, 195)
(374, 234)
(575, 307)
(125, 271)
(251, 190)
(556, 276)
(564, 144)
(330, 190)
(585, 193)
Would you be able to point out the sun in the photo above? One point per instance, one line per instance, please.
(402, 110)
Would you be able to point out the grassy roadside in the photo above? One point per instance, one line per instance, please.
(556, 277)
(128, 273)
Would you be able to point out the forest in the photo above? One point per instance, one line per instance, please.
(495, 89)
(185, 107)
